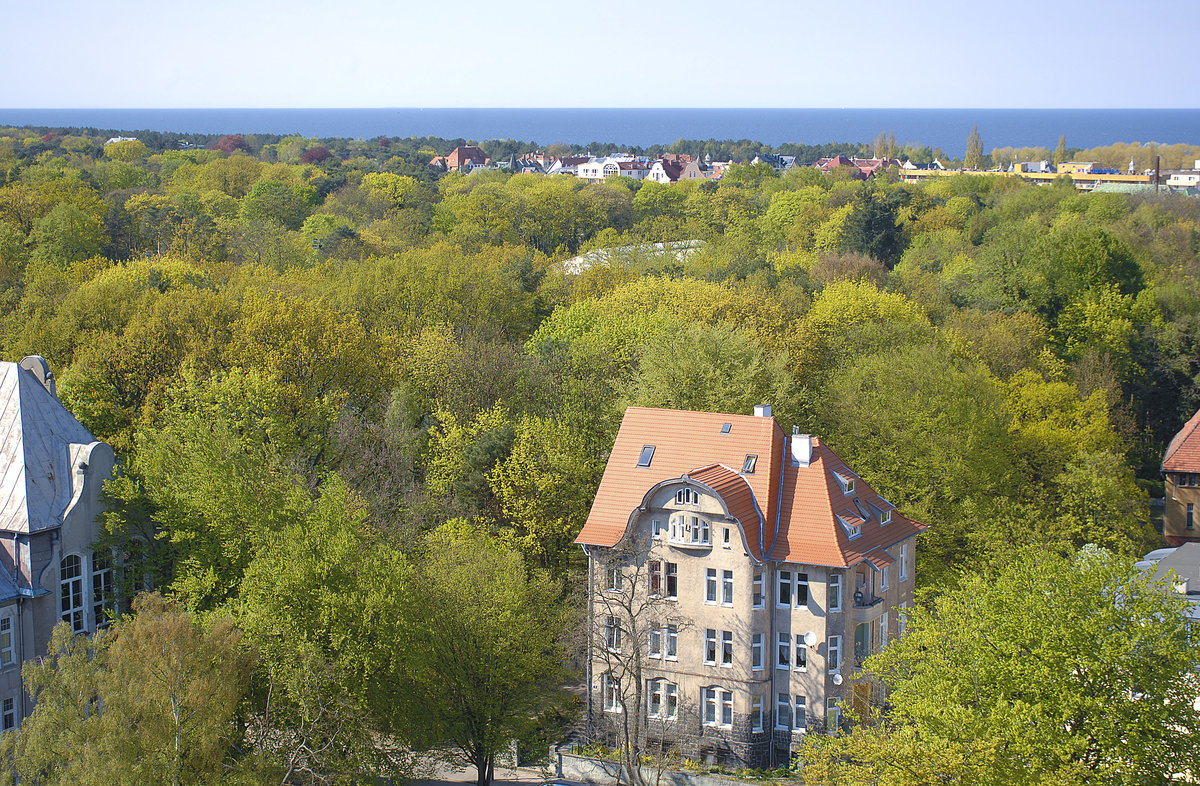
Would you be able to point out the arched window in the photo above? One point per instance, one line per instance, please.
(71, 593)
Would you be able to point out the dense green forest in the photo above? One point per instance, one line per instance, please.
(315, 359)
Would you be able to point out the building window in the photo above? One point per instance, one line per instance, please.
(801, 653)
(758, 591)
(784, 596)
(656, 638)
(784, 659)
(687, 497)
(672, 642)
(801, 720)
(71, 592)
(835, 653)
(646, 456)
(748, 465)
(656, 528)
(833, 714)
(7, 650)
(672, 580)
(885, 517)
(727, 708)
(801, 593)
(835, 592)
(615, 579)
(710, 706)
(902, 618)
(883, 576)
(610, 688)
(710, 646)
(726, 648)
(710, 586)
(783, 711)
(727, 587)
(9, 721)
(662, 699)
(725, 537)
(612, 634)
(756, 652)
(102, 589)
(756, 713)
(903, 561)
(884, 629)
(700, 533)
(656, 577)
(1191, 508)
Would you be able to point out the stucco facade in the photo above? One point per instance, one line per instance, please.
(738, 608)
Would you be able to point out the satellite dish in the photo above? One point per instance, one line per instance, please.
(837, 679)
(810, 639)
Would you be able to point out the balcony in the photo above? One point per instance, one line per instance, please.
(865, 599)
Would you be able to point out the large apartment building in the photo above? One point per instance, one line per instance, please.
(1181, 477)
(738, 576)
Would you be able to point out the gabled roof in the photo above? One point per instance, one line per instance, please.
(36, 438)
(798, 525)
(1183, 454)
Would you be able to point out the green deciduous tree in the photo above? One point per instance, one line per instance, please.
(1046, 669)
(151, 700)
(974, 156)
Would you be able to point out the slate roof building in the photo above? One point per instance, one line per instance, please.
(49, 502)
(741, 572)
(1181, 476)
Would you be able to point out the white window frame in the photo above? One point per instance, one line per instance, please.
(884, 629)
(801, 653)
(800, 714)
(662, 699)
(657, 528)
(671, 579)
(783, 651)
(671, 697)
(726, 587)
(70, 593)
(833, 714)
(783, 589)
(102, 588)
(710, 647)
(656, 642)
(657, 578)
(610, 689)
(783, 711)
(800, 582)
(756, 713)
(612, 634)
(835, 592)
(725, 537)
(8, 640)
(727, 649)
(758, 597)
(8, 713)
(726, 697)
(615, 579)
(708, 704)
(710, 587)
(902, 618)
(884, 575)
(834, 654)
(672, 650)
(756, 652)
(903, 562)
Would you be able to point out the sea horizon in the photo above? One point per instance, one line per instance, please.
(642, 127)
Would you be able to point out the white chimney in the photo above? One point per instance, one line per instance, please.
(801, 449)
(762, 410)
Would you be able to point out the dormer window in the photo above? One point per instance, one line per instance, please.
(849, 484)
(647, 455)
(885, 517)
(748, 465)
(852, 530)
(845, 479)
(687, 497)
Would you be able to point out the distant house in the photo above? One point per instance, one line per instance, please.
(598, 170)
(567, 165)
(1181, 476)
(841, 163)
(461, 159)
(665, 171)
(52, 474)
(778, 163)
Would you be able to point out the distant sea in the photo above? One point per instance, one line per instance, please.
(944, 128)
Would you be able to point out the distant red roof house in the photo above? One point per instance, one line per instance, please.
(462, 158)
(1181, 476)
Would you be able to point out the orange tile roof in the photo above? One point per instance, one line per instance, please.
(1183, 454)
(799, 525)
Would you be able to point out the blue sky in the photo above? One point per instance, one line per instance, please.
(624, 53)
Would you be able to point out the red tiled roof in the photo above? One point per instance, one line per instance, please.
(799, 525)
(1183, 454)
